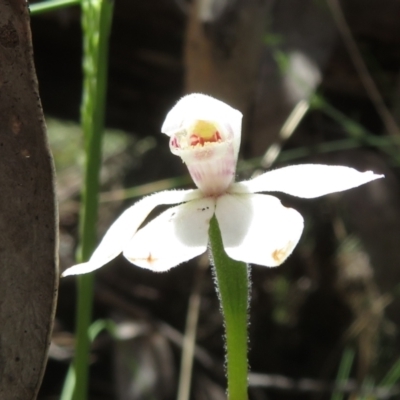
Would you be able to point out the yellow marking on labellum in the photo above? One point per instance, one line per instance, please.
(204, 129)
(203, 132)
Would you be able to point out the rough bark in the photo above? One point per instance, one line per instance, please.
(28, 238)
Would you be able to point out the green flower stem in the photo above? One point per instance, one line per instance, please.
(96, 22)
(51, 5)
(232, 278)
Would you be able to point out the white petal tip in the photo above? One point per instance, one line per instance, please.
(373, 175)
(366, 177)
(78, 269)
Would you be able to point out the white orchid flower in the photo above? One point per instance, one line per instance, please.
(255, 228)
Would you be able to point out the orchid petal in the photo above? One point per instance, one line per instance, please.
(257, 228)
(123, 229)
(177, 235)
(307, 180)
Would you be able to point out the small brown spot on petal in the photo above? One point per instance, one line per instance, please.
(150, 259)
(279, 255)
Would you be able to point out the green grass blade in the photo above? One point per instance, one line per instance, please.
(344, 372)
(96, 23)
(393, 376)
(51, 5)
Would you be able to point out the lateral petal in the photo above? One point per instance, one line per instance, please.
(257, 228)
(177, 235)
(307, 180)
(122, 230)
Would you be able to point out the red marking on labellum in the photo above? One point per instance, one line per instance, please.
(174, 142)
(197, 139)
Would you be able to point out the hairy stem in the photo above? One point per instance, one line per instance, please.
(232, 278)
